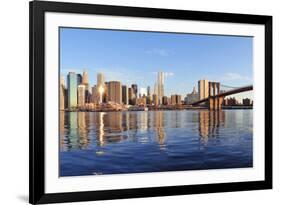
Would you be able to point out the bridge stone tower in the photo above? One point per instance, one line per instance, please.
(215, 101)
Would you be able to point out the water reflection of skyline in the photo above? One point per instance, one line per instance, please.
(80, 129)
(209, 123)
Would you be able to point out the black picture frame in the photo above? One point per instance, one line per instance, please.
(37, 10)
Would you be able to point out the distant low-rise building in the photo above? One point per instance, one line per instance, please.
(246, 102)
(192, 97)
(230, 101)
(176, 100)
(141, 101)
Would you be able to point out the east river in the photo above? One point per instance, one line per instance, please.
(152, 141)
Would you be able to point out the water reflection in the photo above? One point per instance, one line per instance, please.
(210, 123)
(125, 142)
(117, 126)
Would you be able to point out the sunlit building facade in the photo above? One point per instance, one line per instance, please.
(114, 92)
(72, 83)
(203, 89)
(63, 94)
(160, 87)
(155, 100)
(176, 100)
(101, 88)
(81, 95)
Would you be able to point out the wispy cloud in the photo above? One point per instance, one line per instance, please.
(234, 77)
(159, 51)
(166, 74)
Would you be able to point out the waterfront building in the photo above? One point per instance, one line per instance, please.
(125, 99)
(114, 92)
(160, 86)
(85, 79)
(155, 89)
(63, 94)
(130, 96)
(149, 100)
(203, 89)
(95, 95)
(246, 102)
(135, 89)
(81, 96)
(165, 100)
(101, 88)
(79, 79)
(148, 91)
(230, 101)
(141, 101)
(100, 80)
(155, 100)
(72, 83)
(133, 94)
(192, 97)
(176, 99)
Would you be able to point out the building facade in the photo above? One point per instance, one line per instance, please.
(114, 92)
(125, 97)
(72, 83)
(81, 95)
(101, 88)
(176, 100)
(160, 87)
(246, 102)
(155, 100)
(63, 94)
(203, 89)
(192, 97)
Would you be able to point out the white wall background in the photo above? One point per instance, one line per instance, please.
(14, 42)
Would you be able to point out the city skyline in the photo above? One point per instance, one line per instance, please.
(183, 58)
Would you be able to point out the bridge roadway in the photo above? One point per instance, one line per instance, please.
(230, 92)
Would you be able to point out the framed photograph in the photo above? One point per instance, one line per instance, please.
(140, 102)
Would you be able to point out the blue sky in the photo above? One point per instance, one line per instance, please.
(136, 57)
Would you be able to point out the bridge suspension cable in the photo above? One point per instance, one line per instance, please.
(228, 86)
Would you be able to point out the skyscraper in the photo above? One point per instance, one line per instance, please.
(203, 89)
(85, 81)
(160, 86)
(114, 92)
(176, 99)
(85, 78)
(95, 95)
(130, 96)
(135, 90)
(72, 83)
(101, 88)
(100, 79)
(79, 79)
(125, 98)
(63, 94)
(148, 91)
(81, 95)
(155, 100)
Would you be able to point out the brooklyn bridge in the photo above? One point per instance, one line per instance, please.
(216, 94)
